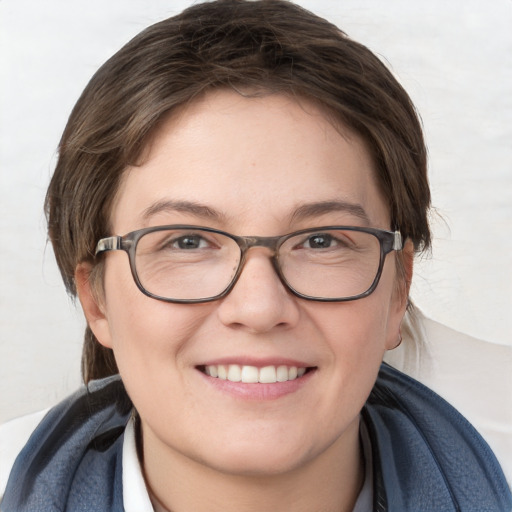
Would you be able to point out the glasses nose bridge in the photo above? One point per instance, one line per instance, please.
(268, 242)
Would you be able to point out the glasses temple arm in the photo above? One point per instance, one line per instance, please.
(111, 243)
(398, 242)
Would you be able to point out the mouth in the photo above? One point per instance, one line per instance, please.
(253, 374)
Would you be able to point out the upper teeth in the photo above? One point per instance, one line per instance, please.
(253, 374)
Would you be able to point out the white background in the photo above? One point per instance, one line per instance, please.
(454, 58)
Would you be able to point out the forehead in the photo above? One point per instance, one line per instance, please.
(251, 160)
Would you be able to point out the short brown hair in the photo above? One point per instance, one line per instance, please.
(267, 45)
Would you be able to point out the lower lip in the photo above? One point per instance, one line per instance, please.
(258, 391)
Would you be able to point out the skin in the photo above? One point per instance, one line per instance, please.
(254, 162)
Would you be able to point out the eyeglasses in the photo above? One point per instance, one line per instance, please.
(191, 264)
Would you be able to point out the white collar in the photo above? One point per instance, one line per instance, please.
(135, 493)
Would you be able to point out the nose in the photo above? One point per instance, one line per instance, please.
(259, 302)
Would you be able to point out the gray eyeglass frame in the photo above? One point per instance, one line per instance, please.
(388, 240)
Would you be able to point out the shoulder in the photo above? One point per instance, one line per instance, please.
(473, 375)
(428, 456)
(14, 434)
(79, 440)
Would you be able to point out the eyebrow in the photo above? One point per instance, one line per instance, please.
(190, 207)
(309, 210)
(302, 212)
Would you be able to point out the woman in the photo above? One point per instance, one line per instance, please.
(239, 195)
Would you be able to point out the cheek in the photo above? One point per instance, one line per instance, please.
(356, 335)
(145, 332)
(150, 348)
(353, 335)
(148, 336)
(358, 327)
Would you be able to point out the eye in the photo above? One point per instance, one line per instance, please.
(189, 242)
(320, 241)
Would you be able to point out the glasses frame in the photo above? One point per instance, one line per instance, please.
(388, 241)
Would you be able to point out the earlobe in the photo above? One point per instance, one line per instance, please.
(92, 304)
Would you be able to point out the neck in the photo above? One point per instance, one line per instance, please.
(330, 482)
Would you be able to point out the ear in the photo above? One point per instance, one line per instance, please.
(93, 304)
(400, 295)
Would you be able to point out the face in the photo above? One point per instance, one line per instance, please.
(248, 165)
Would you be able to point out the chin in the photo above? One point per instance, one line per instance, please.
(257, 463)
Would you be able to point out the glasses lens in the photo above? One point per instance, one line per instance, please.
(186, 264)
(332, 264)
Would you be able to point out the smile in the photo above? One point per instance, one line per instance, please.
(253, 374)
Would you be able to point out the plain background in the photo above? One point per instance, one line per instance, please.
(455, 60)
